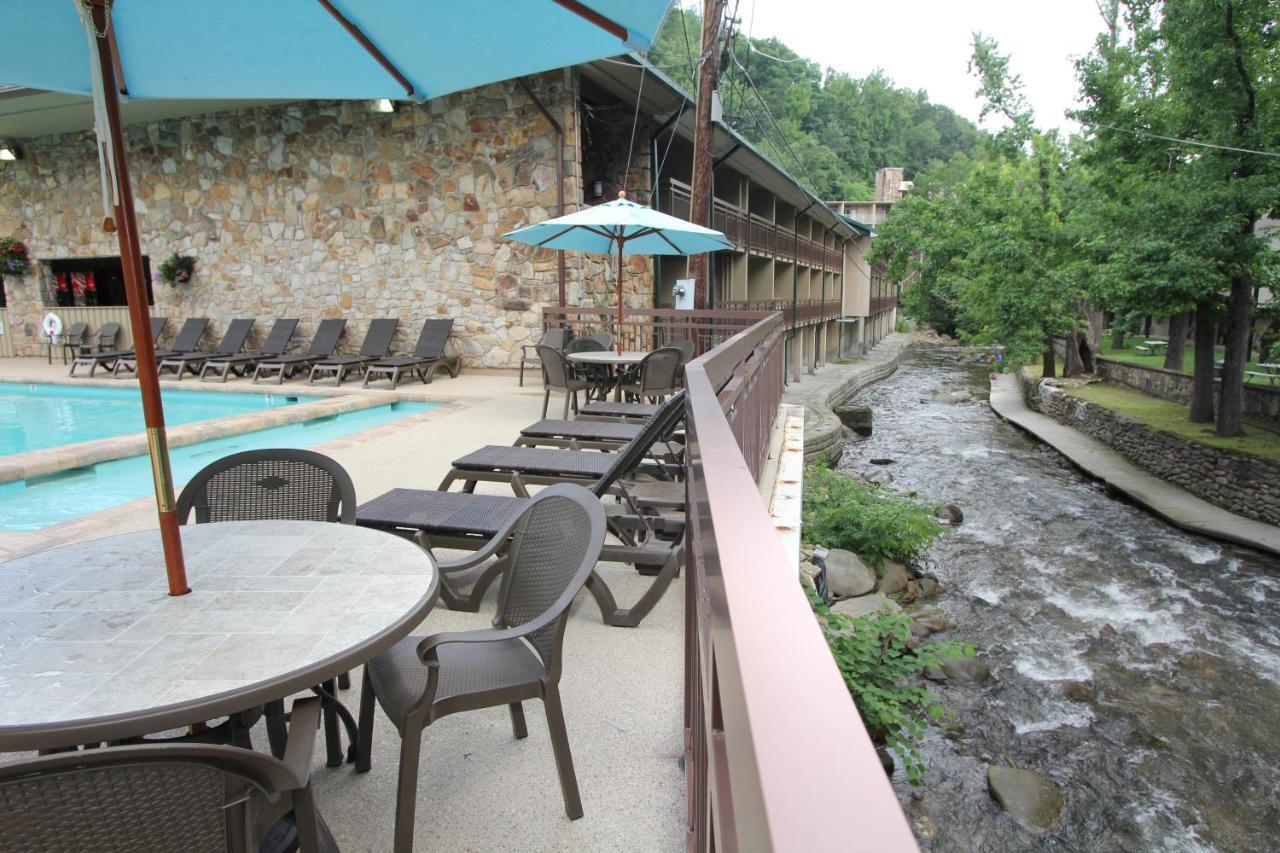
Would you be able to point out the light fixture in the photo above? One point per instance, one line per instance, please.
(597, 187)
(382, 105)
(9, 151)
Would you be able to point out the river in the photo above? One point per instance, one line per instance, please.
(1168, 644)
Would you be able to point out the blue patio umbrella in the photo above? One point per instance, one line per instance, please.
(623, 226)
(286, 50)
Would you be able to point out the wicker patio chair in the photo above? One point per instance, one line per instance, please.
(687, 349)
(428, 357)
(232, 342)
(275, 345)
(107, 357)
(323, 343)
(554, 544)
(285, 484)
(188, 340)
(646, 524)
(558, 375)
(164, 798)
(73, 339)
(656, 377)
(554, 338)
(377, 343)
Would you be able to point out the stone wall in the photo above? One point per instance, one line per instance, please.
(1260, 401)
(324, 209)
(1245, 485)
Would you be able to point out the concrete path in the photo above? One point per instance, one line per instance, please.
(1145, 489)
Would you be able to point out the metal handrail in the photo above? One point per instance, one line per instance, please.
(760, 681)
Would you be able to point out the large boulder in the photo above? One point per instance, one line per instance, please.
(1028, 797)
(969, 670)
(928, 619)
(847, 575)
(893, 578)
(950, 514)
(856, 418)
(864, 605)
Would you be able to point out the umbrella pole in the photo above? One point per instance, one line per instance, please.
(618, 342)
(126, 225)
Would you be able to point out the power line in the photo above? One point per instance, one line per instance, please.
(1148, 135)
(769, 113)
(751, 48)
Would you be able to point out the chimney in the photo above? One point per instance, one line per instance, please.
(889, 183)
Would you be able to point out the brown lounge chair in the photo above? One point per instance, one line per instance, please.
(232, 342)
(273, 347)
(428, 356)
(108, 358)
(377, 343)
(166, 797)
(73, 338)
(554, 543)
(187, 340)
(322, 346)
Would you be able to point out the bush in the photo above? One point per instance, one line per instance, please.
(881, 668)
(902, 325)
(873, 522)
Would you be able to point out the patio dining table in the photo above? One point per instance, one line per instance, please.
(611, 360)
(93, 648)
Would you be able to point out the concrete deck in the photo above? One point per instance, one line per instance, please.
(1161, 497)
(480, 789)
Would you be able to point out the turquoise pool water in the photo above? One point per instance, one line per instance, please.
(33, 417)
(33, 504)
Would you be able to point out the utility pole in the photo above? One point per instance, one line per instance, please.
(703, 138)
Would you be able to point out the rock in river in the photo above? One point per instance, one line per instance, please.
(847, 575)
(972, 670)
(893, 578)
(1029, 798)
(864, 605)
(950, 514)
(929, 619)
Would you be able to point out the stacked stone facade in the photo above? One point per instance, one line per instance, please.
(325, 209)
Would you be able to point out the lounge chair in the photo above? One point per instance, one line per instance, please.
(165, 797)
(322, 346)
(188, 340)
(273, 347)
(610, 410)
(554, 338)
(232, 342)
(576, 434)
(73, 338)
(428, 356)
(108, 358)
(377, 343)
(647, 525)
(555, 542)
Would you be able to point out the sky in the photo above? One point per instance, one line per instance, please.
(925, 44)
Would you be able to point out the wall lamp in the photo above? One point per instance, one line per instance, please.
(10, 151)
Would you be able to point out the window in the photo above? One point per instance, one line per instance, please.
(91, 281)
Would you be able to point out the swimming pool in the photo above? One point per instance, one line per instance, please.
(35, 417)
(33, 504)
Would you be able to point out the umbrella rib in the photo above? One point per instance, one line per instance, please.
(667, 240)
(369, 46)
(611, 27)
(555, 236)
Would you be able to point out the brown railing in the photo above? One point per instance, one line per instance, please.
(649, 328)
(774, 747)
(880, 304)
(753, 233)
(802, 313)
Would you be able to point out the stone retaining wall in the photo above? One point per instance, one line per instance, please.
(1245, 485)
(1260, 401)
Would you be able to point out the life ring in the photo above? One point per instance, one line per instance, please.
(51, 325)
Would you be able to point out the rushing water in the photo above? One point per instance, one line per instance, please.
(1136, 665)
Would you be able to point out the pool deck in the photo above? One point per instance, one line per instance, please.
(480, 789)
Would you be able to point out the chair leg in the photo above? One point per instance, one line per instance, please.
(567, 394)
(407, 786)
(522, 373)
(365, 727)
(564, 758)
(546, 401)
(277, 731)
(344, 681)
(332, 734)
(517, 721)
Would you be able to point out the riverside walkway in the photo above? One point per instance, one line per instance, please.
(1143, 488)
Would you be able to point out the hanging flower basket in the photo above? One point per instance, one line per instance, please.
(13, 257)
(177, 269)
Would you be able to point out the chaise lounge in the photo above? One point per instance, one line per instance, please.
(274, 346)
(232, 342)
(377, 343)
(322, 346)
(187, 340)
(108, 358)
(428, 356)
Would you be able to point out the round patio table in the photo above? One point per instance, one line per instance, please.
(93, 648)
(612, 360)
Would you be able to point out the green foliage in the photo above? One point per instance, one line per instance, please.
(841, 128)
(881, 668)
(902, 325)
(177, 269)
(872, 522)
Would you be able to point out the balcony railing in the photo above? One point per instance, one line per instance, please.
(803, 312)
(752, 233)
(773, 742)
(881, 304)
(646, 329)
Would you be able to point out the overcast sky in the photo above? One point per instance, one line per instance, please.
(925, 44)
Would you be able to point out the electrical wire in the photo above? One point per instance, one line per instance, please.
(1149, 135)
(635, 123)
(751, 48)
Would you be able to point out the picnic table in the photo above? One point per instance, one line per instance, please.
(1268, 371)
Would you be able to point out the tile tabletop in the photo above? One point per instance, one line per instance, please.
(88, 632)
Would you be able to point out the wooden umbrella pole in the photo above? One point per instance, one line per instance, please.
(126, 225)
(618, 342)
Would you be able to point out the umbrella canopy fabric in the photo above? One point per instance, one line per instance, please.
(301, 49)
(638, 229)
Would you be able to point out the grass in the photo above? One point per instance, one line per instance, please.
(1153, 360)
(1171, 417)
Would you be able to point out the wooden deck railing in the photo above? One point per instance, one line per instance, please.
(776, 756)
(803, 312)
(649, 328)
